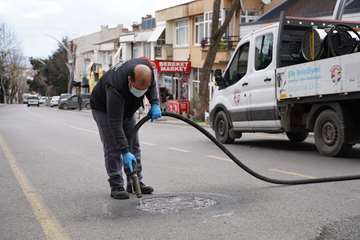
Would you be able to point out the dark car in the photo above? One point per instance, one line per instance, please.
(73, 102)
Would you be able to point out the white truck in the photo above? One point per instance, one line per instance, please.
(290, 77)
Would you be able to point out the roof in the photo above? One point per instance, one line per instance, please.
(157, 32)
(308, 9)
(186, 3)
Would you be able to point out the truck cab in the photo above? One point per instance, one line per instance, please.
(245, 100)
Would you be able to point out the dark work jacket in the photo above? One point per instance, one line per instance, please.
(112, 96)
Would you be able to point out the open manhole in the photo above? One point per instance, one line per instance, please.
(174, 204)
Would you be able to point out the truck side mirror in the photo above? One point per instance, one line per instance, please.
(218, 77)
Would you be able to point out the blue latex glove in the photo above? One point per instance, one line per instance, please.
(155, 112)
(129, 160)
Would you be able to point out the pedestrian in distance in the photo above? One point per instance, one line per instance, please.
(114, 102)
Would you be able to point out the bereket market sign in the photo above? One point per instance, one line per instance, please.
(173, 66)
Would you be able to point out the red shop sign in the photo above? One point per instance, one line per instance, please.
(173, 66)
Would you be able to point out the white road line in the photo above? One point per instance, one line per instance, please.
(219, 158)
(229, 214)
(178, 149)
(51, 227)
(148, 143)
(291, 173)
(80, 129)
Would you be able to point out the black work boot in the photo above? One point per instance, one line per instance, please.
(144, 189)
(119, 192)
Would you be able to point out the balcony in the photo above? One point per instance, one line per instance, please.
(226, 48)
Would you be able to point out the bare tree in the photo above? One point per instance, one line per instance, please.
(217, 32)
(12, 66)
(8, 45)
(15, 75)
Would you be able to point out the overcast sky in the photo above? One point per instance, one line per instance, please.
(33, 19)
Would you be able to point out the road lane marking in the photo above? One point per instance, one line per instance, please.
(219, 158)
(178, 149)
(291, 173)
(229, 214)
(81, 129)
(49, 224)
(148, 144)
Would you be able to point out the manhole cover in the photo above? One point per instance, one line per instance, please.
(173, 204)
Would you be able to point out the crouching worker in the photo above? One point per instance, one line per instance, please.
(114, 101)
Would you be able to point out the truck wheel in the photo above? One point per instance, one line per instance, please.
(297, 137)
(329, 134)
(222, 128)
(65, 107)
(87, 106)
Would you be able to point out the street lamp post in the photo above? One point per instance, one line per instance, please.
(70, 64)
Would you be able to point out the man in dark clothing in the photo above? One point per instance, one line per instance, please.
(114, 101)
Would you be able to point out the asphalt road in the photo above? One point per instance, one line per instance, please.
(53, 185)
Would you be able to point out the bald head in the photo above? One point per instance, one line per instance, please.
(142, 77)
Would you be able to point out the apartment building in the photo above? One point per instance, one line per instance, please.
(188, 28)
(94, 54)
(147, 39)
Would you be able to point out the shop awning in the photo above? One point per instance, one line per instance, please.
(157, 32)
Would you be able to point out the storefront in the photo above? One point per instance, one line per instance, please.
(173, 78)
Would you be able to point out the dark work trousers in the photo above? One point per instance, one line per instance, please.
(112, 153)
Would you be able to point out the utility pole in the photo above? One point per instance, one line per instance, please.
(70, 64)
(339, 9)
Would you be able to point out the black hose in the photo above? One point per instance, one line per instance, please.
(242, 165)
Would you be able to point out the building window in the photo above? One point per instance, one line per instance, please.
(249, 16)
(181, 33)
(136, 51)
(208, 23)
(195, 82)
(199, 29)
(147, 50)
(158, 51)
(203, 24)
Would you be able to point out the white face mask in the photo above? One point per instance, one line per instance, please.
(137, 92)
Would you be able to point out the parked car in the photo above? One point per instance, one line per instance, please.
(54, 101)
(33, 101)
(73, 102)
(64, 97)
(25, 97)
(43, 100)
(86, 100)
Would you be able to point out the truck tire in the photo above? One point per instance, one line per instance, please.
(329, 134)
(297, 137)
(65, 107)
(222, 128)
(87, 106)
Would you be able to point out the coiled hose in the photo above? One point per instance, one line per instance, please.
(242, 165)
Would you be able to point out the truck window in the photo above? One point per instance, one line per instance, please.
(263, 51)
(238, 67)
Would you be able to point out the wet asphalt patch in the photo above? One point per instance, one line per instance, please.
(347, 229)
